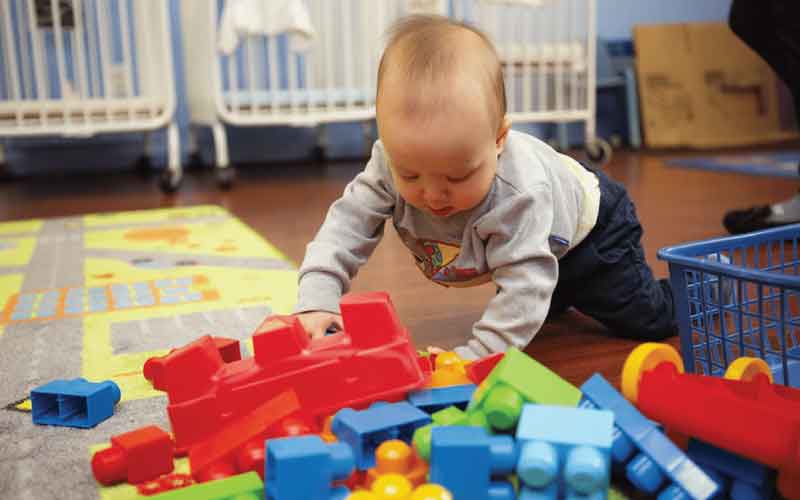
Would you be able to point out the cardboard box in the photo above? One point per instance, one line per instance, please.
(701, 86)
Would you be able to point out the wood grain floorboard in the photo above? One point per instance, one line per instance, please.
(286, 204)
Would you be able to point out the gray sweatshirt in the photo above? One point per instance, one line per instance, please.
(540, 205)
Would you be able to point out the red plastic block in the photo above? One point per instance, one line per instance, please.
(239, 447)
(229, 349)
(371, 360)
(153, 369)
(135, 456)
(426, 365)
(480, 369)
(755, 419)
(168, 482)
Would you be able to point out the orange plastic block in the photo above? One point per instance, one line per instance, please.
(135, 456)
(449, 370)
(327, 434)
(396, 457)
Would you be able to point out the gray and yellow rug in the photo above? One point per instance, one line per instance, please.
(94, 297)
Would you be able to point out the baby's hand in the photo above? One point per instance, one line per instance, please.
(316, 323)
(434, 350)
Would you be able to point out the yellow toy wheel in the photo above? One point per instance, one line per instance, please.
(644, 358)
(747, 368)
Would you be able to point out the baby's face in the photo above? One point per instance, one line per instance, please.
(442, 162)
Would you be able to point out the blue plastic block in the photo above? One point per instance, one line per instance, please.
(433, 400)
(749, 480)
(365, 430)
(568, 448)
(74, 403)
(652, 462)
(464, 459)
(301, 468)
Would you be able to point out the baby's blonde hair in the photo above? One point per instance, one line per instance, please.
(431, 50)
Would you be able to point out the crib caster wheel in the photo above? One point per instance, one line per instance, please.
(170, 181)
(599, 152)
(225, 177)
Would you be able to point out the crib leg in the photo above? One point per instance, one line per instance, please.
(143, 164)
(320, 153)
(195, 158)
(226, 174)
(172, 176)
(4, 174)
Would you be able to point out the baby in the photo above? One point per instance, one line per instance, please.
(475, 202)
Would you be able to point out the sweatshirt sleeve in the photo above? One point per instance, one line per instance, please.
(524, 270)
(352, 229)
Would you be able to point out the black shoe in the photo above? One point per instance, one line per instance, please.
(749, 220)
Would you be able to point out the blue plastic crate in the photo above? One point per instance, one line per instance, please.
(749, 306)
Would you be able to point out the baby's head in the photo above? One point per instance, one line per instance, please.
(441, 112)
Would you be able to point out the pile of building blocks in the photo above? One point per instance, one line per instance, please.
(355, 415)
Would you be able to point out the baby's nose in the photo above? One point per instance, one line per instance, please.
(435, 196)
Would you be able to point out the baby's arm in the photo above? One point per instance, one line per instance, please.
(525, 272)
(317, 323)
(352, 229)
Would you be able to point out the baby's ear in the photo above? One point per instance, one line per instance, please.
(502, 135)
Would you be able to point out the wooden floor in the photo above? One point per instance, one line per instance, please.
(286, 204)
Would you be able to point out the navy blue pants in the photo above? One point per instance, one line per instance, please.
(606, 276)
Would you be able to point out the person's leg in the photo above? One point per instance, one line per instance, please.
(614, 284)
(559, 302)
(772, 29)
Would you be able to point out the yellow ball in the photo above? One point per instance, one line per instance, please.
(431, 492)
(392, 487)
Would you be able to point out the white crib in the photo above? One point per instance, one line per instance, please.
(76, 68)
(265, 81)
(547, 48)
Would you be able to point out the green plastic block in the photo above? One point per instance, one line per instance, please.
(447, 416)
(241, 487)
(519, 379)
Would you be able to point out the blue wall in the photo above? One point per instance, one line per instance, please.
(615, 20)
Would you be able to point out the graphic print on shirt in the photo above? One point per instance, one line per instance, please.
(433, 258)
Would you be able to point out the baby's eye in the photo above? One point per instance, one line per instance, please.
(409, 177)
(459, 179)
